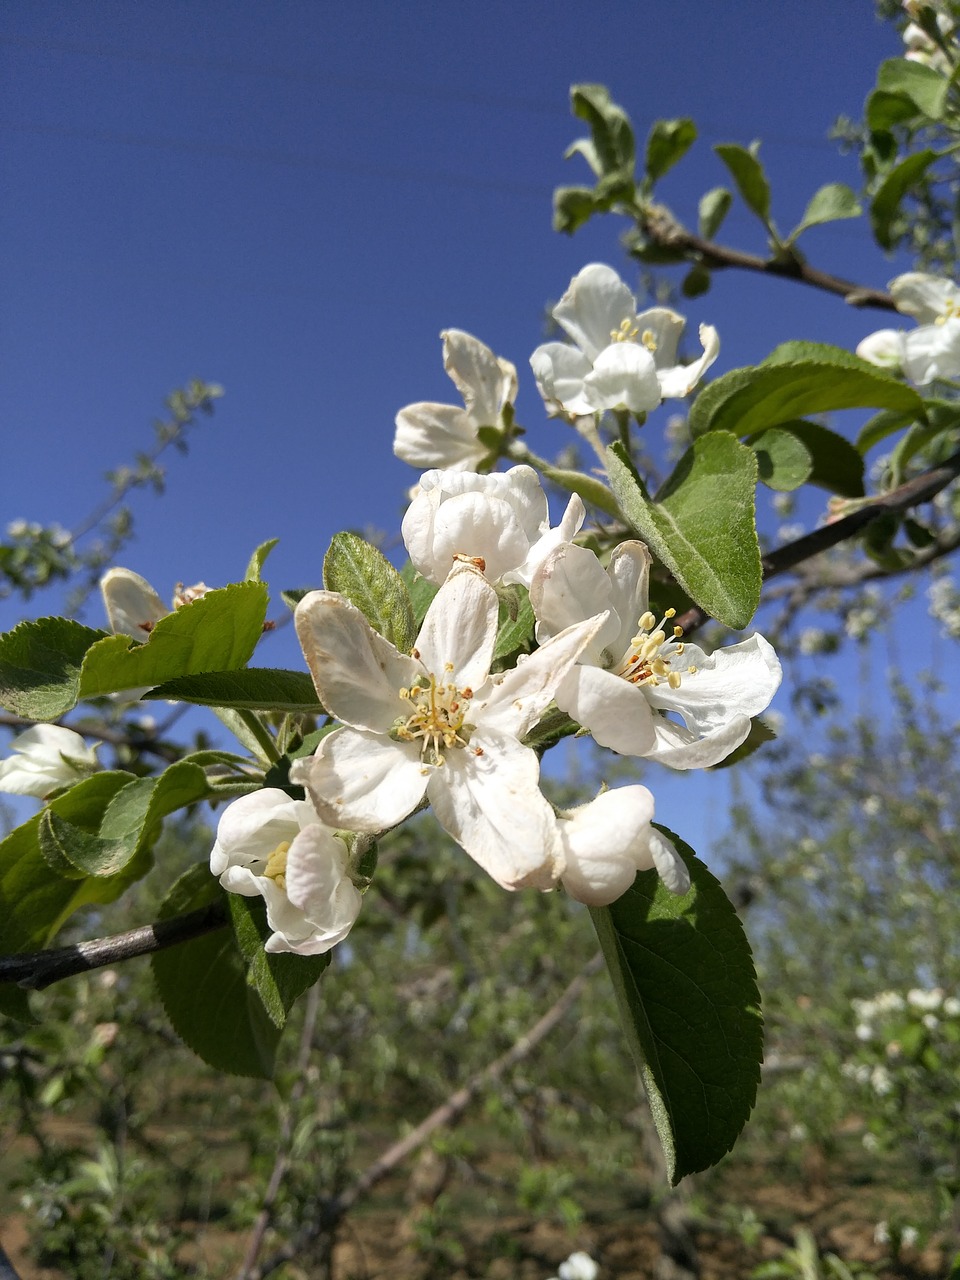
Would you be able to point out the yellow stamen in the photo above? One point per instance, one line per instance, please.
(648, 660)
(276, 868)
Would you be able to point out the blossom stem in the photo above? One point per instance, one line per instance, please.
(259, 731)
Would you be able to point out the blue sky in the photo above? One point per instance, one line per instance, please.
(294, 199)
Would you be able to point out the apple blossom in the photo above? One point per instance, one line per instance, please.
(884, 348)
(932, 350)
(607, 841)
(436, 725)
(275, 847)
(620, 360)
(631, 675)
(46, 757)
(443, 435)
(134, 608)
(499, 520)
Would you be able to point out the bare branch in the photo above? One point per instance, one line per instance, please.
(337, 1207)
(39, 969)
(662, 228)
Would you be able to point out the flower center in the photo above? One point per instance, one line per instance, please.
(650, 657)
(951, 309)
(276, 868)
(627, 332)
(438, 717)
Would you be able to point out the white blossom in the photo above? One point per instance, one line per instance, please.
(444, 435)
(620, 360)
(134, 608)
(631, 676)
(499, 521)
(45, 757)
(930, 351)
(579, 1266)
(436, 724)
(607, 841)
(273, 846)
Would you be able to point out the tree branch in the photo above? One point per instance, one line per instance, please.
(333, 1211)
(36, 970)
(667, 232)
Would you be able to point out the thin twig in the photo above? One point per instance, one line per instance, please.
(282, 1162)
(338, 1206)
(141, 740)
(36, 970)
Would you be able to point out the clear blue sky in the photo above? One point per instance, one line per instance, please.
(293, 199)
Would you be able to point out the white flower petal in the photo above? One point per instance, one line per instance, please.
(883, 348)
(485, 382)
(679, 748)
(476, 525)
(519, 697)
(606, 842)
(460, 629)
(491, 804)
(437, 435)
(739, 680)
(133, 607)
(362, 781)
(356, 672)
(923, 296)
(571, 585)
(629, 574)
(931, 352)
(615, 711)
(251, 827)
(570, 524)
(660, 329)
(671, 868)
(559, 371)
(593, 308)
(45, 757)
(624, 376)
(679, 381)
(319, 885)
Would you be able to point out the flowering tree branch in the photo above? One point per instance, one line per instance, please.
(335, 1209)
(36, 970)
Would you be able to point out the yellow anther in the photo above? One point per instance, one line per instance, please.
(647, 621)
(276, 868)
(649, 339)
(673, 679)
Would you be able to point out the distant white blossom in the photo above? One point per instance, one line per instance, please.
(45, 757)
(619, 360)
(930, 351)
(444, 435)
(275, 847)
(579, 1266)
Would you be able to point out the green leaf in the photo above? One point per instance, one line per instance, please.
(279, 979)
(884, 110)
(925, 88)
(254, 571)
(880, 426)
(747, 172)
(797, 378)
(572, 207)
(34, 902)
(696, 282)
(714, 207)
(217, 632)
(589, 488)
(702, 523)
(40, 666)
(832, 202)
(204, 989)
(612, 134)
(516, 622)
(668, 142)
(687, 992)
(367, 578)
(885, 206)
(837, 465)
(75, 853)
(252, 688)
(421, 590)
(783, 461)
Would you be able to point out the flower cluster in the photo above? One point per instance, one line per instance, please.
(446, 724)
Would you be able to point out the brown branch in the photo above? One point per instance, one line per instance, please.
(662, 228)
(338, 1206)
(38, 969)
(911, 494)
